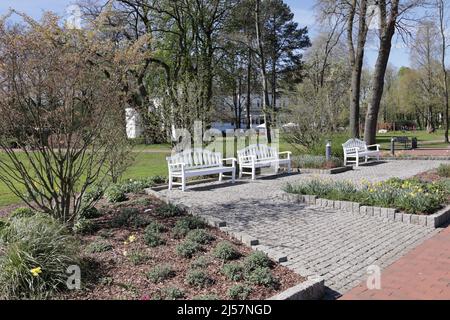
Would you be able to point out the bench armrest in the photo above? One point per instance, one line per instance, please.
(374, 145)
(233, 160)
(288, 153)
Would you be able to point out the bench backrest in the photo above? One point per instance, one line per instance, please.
(260, 152)
(195, 159)
(355, 143)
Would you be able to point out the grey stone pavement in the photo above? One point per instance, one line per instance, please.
(336, 245)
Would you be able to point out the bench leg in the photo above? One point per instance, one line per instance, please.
(289, 167)
(367, 159)
(240, 172)
(253, 173)
(183, 183)
(233, 176)
(220, 176)
(170, 182)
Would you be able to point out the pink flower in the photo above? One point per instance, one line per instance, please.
(145, 297)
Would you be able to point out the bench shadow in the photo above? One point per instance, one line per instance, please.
(224, 184)
(277, 176)
(372, 163)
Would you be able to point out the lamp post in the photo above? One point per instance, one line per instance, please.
(328, 150)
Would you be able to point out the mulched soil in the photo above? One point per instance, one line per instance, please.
(113, 276)
(431, 176)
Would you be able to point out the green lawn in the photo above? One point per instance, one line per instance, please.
(151, 159)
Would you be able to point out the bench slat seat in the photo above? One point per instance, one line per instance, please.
(261, 156)
(198, 162)
(356, 149)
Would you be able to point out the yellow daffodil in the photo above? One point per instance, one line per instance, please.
(36, 271)
(132, 238)
(125, 253)
(125, 242)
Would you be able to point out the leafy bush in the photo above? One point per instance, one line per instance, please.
(187, 249)
(137, 258)
(135, 186)
(98, 247)
(185, 224)
(90, 213)
(261, 276)
(225, 251)
(84, 226)
(198, 278)
(160, 273)
(35, 253)
(153, 238)
(255, 260)
(444, 170)
(239, 292)
(169, 210)
(94, 194)
(336, 145)
(172, 293)
(129, 217)
(199, 236)
(233, 271)
(156, 227)
(22, 213)
(115, 194)
(316, 162)
(201, 263)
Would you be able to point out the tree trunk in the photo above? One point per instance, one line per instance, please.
(387, 32)
(356, 61)
(249, 87)
(265, 100)
(442, 28)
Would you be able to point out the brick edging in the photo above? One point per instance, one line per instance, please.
(311, 289)
(415, 158)
(388, 214)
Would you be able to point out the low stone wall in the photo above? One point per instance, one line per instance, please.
(311, 289)
(435, 220)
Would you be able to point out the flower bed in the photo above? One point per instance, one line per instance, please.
(412, 195)
(316, 162)
(145, 249)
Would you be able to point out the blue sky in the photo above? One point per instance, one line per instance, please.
(303, 10)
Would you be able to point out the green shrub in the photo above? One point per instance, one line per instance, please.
(172, 293)
(153, 238)
(225, 251)
(129, 217)
(233, 271)
(98, 247)
(22, 213)
(135, 186)
(169, 210)
(160, 273)
(185, 224)
(35, 253)
(261, 276)
(201, 263)
(239, 292)
(156, 227)
(158, 179)
(187, 249)
(137, 258)
(84, 226)
(90, 213)
(255, 260)
(198, 278)
(444, 170)
(93, 195)
(115, 194)
(316, 162)
(199, 236)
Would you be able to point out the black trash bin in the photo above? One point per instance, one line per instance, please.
(414, 143)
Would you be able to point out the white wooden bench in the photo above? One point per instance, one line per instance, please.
(356, 149)
(260, 156)
(198, 162)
